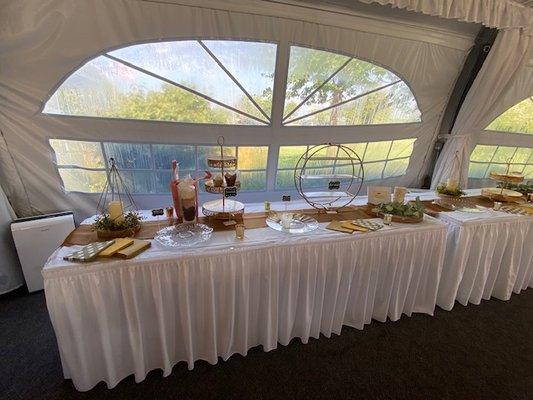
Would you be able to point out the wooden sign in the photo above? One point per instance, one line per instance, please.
(334, 185)
(230, 191)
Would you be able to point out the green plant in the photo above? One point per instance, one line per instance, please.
(443, 189)
(411, 209)
(132, 220)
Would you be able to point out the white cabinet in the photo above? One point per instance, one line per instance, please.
(36, 238)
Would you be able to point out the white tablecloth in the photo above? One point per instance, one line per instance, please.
(488, 255)
(115, 318)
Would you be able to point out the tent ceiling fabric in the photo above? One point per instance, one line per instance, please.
(491, 13)
(44, 41)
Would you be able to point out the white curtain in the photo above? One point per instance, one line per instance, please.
(10, 272)
(504, 63)
(491, 13)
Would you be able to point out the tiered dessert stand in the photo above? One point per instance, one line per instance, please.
(503, 193)
(225, 207)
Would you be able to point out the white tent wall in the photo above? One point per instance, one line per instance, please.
(505, 79)
(44, 41)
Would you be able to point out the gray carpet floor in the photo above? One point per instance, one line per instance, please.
(474, 352)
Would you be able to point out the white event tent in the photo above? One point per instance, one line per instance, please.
(422, 90)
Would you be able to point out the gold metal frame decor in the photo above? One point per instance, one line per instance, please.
(333, 197)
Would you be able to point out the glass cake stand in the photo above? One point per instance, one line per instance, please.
(183, 235)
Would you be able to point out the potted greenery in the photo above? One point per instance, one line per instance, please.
(411, 212)
(107, 228)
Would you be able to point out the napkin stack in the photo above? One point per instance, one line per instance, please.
(122, 248)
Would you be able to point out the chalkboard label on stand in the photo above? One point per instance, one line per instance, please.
(334, 185)
(286, 198)
(230, 191)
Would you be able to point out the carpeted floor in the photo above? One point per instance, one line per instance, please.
(474, 352)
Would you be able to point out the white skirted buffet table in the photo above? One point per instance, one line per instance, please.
(489, 254)
(116, 318)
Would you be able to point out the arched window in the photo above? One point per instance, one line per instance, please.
(325, 88)
(232, 84)
(196, 81)
(517, 119)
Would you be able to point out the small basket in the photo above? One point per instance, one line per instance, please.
(107, 235)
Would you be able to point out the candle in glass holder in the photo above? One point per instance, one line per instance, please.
(239, 231)
(399, 194)
(497, 205)
(116, 212)
(286, 219)
(452, 183)
(387, 219)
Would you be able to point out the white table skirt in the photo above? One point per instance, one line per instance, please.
(487, 255)
(116, 318)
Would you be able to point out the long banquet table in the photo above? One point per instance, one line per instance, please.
(116, 318)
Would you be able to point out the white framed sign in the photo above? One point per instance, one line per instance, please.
(378, 194)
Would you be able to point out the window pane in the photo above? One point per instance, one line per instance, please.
(402, 148)
(521, 161)
(253, 181)
(523, 155)
(252, 157)
(482, 153)
(377, 151)
(308, 69)
(503, 154)
(188, 63)
(79, 180)
(129, 155)
(82, 154)
(476, 170)
(396, 167)
(360, 93)
(164, 154)
(518, 119)
(211, 151)
(285, 180)
(373, 170)
(528, 172)
(139, 181)
(107, 88)
(252, 64)
(289, 155)
(359, 148)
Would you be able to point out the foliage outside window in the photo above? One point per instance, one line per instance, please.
(485, 159)
(517, 119)
(384, 159)
(146, 167)
(232, 82)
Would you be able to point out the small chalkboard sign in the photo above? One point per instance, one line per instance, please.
(157, 211)
(230, 191)
(334, 185)
(286, 197)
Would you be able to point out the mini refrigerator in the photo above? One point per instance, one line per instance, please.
(36, 238)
